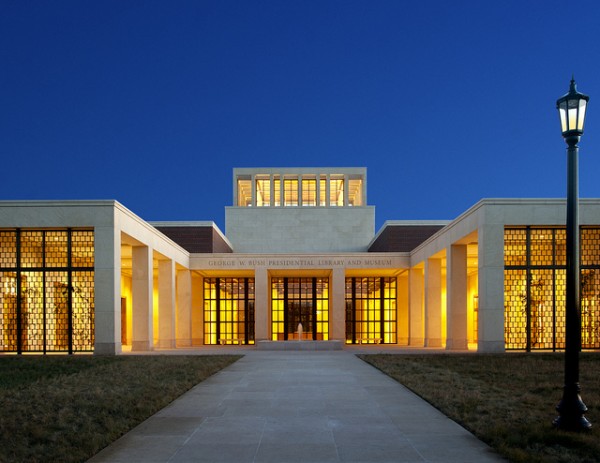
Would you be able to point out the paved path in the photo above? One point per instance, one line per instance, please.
(285, 407)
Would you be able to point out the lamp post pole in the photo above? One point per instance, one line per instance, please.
(571, 408)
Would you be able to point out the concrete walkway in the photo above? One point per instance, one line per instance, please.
(295, 406)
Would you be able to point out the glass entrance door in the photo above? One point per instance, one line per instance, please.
(296, 301)
(300, 313)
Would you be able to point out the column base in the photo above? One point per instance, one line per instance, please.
(141, 346)
(433, 343)
(166, 344)
(457, 344)
(491, 347)
(183, 343)
(107, 348)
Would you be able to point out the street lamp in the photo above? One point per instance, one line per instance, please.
(571, 408)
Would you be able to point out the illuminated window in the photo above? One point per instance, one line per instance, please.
(590, 247)
(323, 191)
(336, 191)
(515, 247)
(371, 310)
(297, 301)
(229, 311)
(82, 249)
(244, 192)
(277, 190)
(541, 242)
(534, 288)
(590, 307)
(47, 296)
(355, 192)
(82, 301)
(290, 192)
(263, 192)
(309, 192)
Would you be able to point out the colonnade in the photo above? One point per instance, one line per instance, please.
(174, 289)
(465, 308)
(438, 304)
(180, 308)
(444, 301)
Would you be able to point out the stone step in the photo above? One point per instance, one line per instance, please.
(299, 345)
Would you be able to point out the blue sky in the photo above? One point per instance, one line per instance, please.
(153, 103)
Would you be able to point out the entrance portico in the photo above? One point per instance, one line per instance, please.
(289, 289)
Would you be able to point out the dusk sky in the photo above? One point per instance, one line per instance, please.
(153, 103)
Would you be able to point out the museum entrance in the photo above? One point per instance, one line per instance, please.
(300, 309)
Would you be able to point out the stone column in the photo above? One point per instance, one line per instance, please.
(166, 304)
(262, 308)
(403, 310)
(197, 310)
(184, 309)
(107, 290)
(415, 293)
(457, 289)
(491, 288)
(346, 188)
(337, 303)
(141, 288)
(433, 303)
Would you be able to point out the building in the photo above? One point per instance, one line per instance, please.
(300, 248)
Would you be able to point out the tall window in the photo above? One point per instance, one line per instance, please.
(290, 192)
(355, 192)
(229, 311)
(534, 288)
(323, 191)
(263, 192)
(371, 310)
(244, 192)
(309, 192)
(336, 191)
(47, 290)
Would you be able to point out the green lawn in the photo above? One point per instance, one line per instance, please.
(67, 408)
(506, 400)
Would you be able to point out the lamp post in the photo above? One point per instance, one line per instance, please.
(571, 108)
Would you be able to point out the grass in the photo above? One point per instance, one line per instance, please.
(506, 400)
(58, 408)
